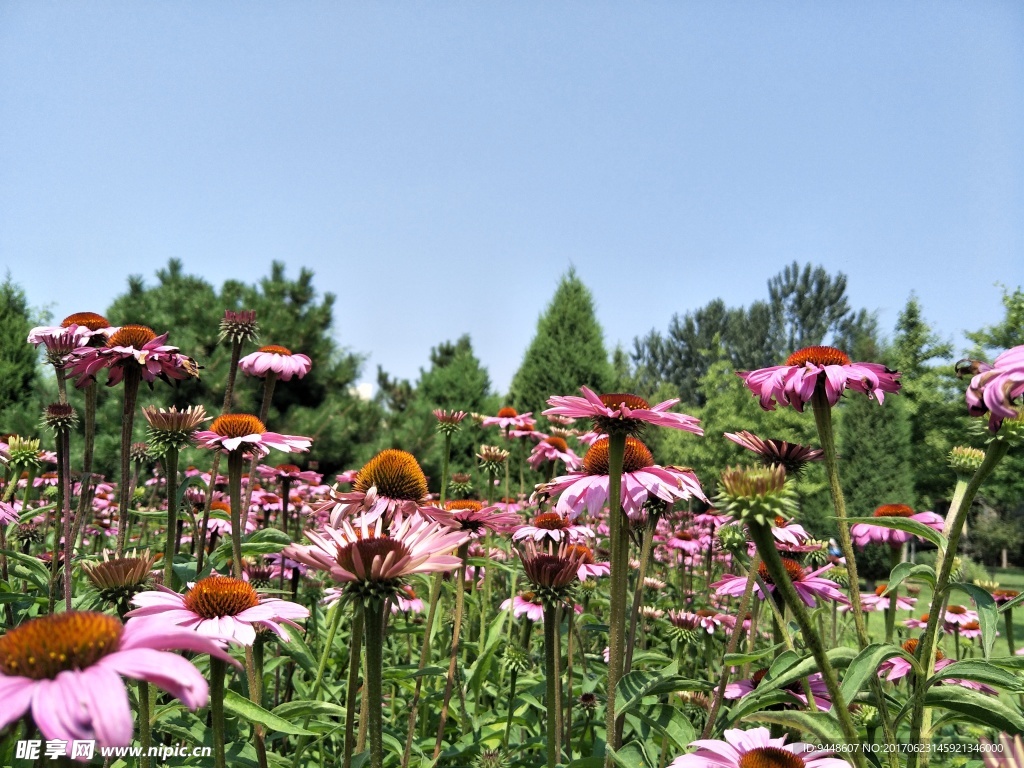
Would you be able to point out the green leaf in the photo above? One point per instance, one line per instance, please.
(974, 705)
(296, 648)
(630, 755)
(865, 666)
(1008, 662)
(633, 687)
(671, 722)
(587, 762)
(738, 659)
(823, 725)
(838, 657)
(295, 710)
(1009, 605)
(242, 707)
(981, 672)
(905, 524)
(912, 572)
(988, 615)
(265, 541)
(26, 567)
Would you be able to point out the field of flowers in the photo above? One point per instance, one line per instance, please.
(618, 613)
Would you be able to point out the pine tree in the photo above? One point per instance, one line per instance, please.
(20, 404)
(566, 352)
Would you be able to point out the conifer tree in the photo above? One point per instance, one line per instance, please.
(567, 351)
(19, 401)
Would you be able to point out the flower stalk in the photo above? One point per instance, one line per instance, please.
(132, 378)
(374, 630)
(551, 650)
(619, 573)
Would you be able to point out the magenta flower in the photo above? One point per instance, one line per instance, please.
(507, 418)
(390, 484)
(741, 688)
(641, 479)
(878, 601)
(526, 604)
(620, 412)
(218, 607)
(808, 584)
(793, 456)
(65, 671)
(794, 383)
(957, 615)
(554, 527)
(233, 431)
(866, 533)
(477, 521)
(589, 567)
(755, 748)
(553, 449)
(132, 345)
(363, 552)
(898, 667)
(277, 360)
(994, 387)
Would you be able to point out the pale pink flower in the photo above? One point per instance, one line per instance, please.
(994, 387)
(475, 519)
(289, 472)
(794, 383)
(275, 359)
(553, 449)
(957, 615)
(878, 601)
(218, 607)
(866, 533)
(808, 584)
(507, 418)
(65, 670)
(526, 604)
(553, 526)
(132, 345)
(762, 750)
(234, 431)
(620, 411)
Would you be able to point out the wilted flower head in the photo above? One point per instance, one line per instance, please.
(552, 574)
(60, 417)
(239, 326)
(756, 494)
(461, 483)
(171, 428)
(792, 456)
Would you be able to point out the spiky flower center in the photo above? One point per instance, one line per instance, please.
(135, 336)
(818, 356)
(275, 349)
(557, 443)
(581, 551)
(971, 625)
(637, 456)
(289, 468)
(685, 536)
(40, 649)
(89, 320)
(368, 549)
(507, 412)
(237, 425)
(463, 505)
(770, 757)
(618, 399)
(705, 613)
(894, 510)
(217, 596)
(550, 521)
(880, 589)
(221, 506)
(793, 569)
(910, 646)
(396, 474)
(957, 610)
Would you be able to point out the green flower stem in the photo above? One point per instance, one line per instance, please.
(762, 536)
(145, 723)
(268, 395)
(132, 377)
(1009, 631)
(254, 677)
(734, 640)
(890, 612)
(62, 385)
(69, 535)
(235, 461)
(217, 670)
(826, 435)
(352, 688)
(638, 592)
(570, 614)
(85, 493)
(963, 497)
(374, 631)
(63, 522)
(171, 545)
(460, 599)
(333, 620)
(618, 578)
(445, 465)
(554, 746)
(435, 594)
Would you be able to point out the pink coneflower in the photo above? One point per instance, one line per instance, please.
(794, 383)
(8, 514)
(620, 412)
(475, 519)
(741, 688)
(553, 449)
(65, 670)
(709, 620)
(360, 551)
(131, 345)
(552, 571)
(589, 567)
(508, 504)
(507, 418)
(994, 387)
(898, 667)
(690, 542)
(641, 479)
(808, 584)
(957, 615)
(289, 472)
(391, 483)
(218, 607)
(448, 422)
(865, 533)
(526, 604)
(79, 327)
(920, 623)
(232, 431)
(406, 601)
(971, 630)
(793, 456)
(553, 526)
(712, 518)
(277, 360)
(789, 534)
(755, 749)
(878, 601)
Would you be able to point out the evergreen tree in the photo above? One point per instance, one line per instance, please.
(20, 402)
(566, 352)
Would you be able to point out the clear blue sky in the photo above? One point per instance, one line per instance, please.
(440, 164)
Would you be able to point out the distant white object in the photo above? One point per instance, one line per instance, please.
(363, 390)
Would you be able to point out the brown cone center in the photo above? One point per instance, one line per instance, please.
(42, 648)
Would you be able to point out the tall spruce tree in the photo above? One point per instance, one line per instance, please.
(568, 350)
(20, 402)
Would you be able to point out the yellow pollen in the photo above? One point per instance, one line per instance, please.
(463, 505)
